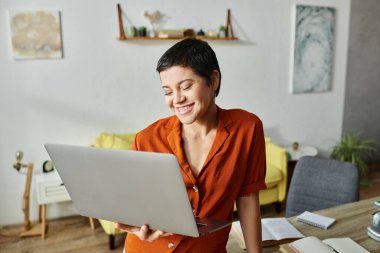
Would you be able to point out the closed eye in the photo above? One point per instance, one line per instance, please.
(187, 86)
(167, 91)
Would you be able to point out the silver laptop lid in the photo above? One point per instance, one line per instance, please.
(129, 187)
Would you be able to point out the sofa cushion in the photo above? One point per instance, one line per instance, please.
(268, 196)
(273, 176)
(115, 141)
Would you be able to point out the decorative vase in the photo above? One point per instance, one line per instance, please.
(222, 34)
(130, 31)
(151, 33)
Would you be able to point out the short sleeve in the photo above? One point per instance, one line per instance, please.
(134, 144)
(256, 164)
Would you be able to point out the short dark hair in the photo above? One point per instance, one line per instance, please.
(195, 54)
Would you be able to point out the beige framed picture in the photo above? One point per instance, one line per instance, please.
(35, 34)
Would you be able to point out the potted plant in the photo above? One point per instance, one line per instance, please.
(353, 149)
(222, 31)
(142, 31)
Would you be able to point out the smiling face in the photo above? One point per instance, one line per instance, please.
(188, 95)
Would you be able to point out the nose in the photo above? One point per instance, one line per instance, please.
(178, 98)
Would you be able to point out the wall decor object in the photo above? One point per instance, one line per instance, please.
(170, 34)
(35, 34)
(313, 49)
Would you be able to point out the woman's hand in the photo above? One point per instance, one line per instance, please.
(144, 233)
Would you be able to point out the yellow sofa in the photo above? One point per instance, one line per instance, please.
(276, 176)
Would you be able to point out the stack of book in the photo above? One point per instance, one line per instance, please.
(176, 33)
(171, 33)
(316, 220)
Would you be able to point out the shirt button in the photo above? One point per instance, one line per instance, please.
(195, 189)
(170, 245)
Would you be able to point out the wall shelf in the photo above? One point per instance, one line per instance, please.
(122, 37)
(177, 38)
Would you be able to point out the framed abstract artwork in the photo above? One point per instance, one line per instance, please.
(313, 49)
(35, 34)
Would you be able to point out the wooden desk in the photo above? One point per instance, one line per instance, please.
(352, 221)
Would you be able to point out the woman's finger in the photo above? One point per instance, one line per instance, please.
(166, 234)
(129, 229)
(157, 234)
(143, 233)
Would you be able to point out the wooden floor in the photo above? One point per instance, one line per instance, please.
(73, 234)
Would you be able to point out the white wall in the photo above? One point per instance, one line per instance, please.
(362, 102)
(103, 84)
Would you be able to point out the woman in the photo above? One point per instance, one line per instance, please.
(221, 153)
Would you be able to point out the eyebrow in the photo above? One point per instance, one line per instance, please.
(179, 83)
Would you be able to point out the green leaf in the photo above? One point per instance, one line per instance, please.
(353, 149)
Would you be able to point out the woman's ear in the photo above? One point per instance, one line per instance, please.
(215, 77)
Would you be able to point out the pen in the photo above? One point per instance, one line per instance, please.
(335, 251)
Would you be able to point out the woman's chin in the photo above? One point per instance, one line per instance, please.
(185, 119)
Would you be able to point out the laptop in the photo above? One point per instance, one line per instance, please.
(129, 187)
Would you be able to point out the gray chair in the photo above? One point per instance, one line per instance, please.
(319, 183)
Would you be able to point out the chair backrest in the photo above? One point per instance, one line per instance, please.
(320, 183)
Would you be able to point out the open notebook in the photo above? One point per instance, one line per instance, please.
(312, 244)
(275, 231)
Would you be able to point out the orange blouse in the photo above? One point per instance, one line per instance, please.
(234, 167)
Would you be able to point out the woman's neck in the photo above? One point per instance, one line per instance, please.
(202, 127)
